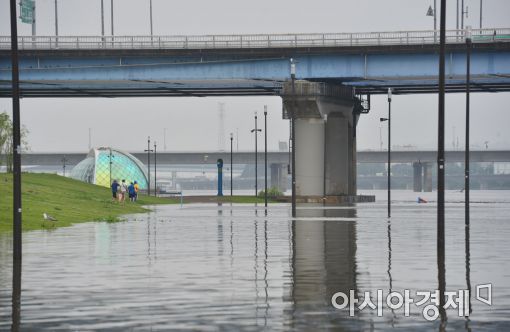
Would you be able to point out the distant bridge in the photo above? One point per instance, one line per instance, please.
(191, 158)
(237, 65)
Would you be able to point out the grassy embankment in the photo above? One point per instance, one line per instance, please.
(68, 200)
(71, 202)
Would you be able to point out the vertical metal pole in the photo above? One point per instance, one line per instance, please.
(389, 152)
(457, 20)
(440, 164)
(110, 166)
(150, 5)
(481, 6)
(256, 157)
(16, 179)
(293, 135)
(34, 30)
(231, 165)
(462, 16)
(265, 156)
(155, 172)
(164, 139)
(56, 18)
(466, 161)
(64, 166)
(149, 165)
(102, 19)
(112, 15)
(435, 21)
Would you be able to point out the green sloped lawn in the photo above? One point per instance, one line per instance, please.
(69, 201)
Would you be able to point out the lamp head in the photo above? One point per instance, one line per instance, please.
(430, 11)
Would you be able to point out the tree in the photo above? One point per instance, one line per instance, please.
(6, 148)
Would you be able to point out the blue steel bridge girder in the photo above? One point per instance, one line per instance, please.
(202, 73)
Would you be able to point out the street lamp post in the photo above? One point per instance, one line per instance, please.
(111, 162)
(56, 19)
(468, 87)
(64, 160)
(112, 15)
(155, 173)
(389, 150)
(256, 130)
(293, 135)
(265, 156)
(148, 165)
(481, 7)
(150, 5)
(231, 165)
(16, 178)
(432, 12)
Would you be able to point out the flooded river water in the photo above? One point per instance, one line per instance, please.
(230, 267)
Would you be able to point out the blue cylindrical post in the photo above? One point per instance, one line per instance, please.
(219, 163)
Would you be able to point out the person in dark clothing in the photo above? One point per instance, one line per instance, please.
(115, 188)
(132, 192)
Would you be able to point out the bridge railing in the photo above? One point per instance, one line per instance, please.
(254, 41)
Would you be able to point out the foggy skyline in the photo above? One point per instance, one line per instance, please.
(192, 123)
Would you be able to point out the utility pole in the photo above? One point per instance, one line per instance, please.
(16, 179)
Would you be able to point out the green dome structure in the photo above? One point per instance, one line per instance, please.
(103, 165)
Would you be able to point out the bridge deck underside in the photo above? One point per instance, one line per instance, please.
(132, 73)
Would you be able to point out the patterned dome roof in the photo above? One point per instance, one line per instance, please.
(96, 168)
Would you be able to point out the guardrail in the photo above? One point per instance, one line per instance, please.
(255, 41)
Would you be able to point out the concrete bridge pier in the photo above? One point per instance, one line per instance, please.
(427, 177)
(279, 176)
(417, 177)
(325, 125)
(422, 177)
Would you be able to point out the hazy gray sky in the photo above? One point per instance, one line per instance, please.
(192, 123)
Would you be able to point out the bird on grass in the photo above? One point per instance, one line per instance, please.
(48, 217)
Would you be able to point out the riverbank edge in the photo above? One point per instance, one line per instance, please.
(72, 202)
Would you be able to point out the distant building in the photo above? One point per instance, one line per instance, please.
(95, 168)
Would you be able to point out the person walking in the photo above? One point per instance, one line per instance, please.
(137, 187)
(123, 190)
(115, 188)
(131, 192)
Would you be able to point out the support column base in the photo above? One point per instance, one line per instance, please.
(331, 199)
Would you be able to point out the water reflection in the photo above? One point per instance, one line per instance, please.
(223, 267)
(16, 296)
(468, 273)
(323, 263)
